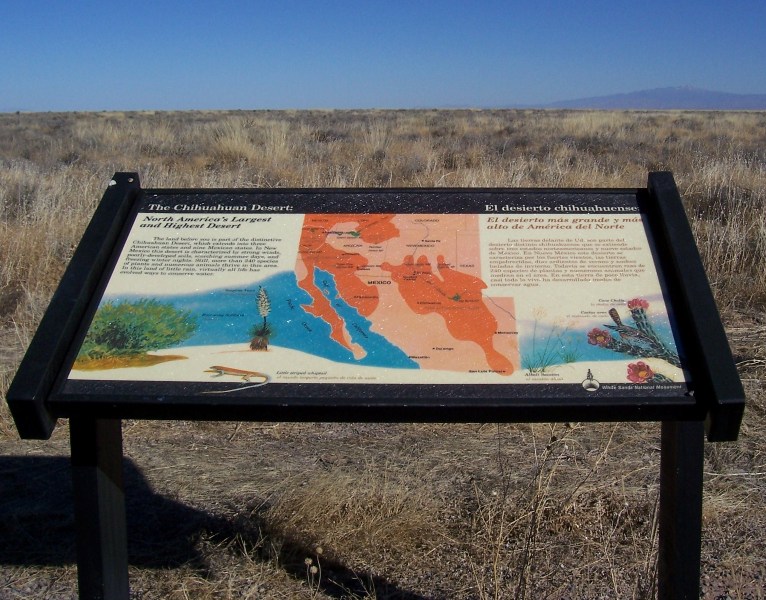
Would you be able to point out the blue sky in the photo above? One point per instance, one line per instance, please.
(80, 55)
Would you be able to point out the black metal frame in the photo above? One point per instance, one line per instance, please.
(29, 393)
(717, 397)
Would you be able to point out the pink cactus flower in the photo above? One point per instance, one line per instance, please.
(639, 372)
(638, 303)
(599, 337)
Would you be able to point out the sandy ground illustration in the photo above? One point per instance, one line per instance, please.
(286, 365)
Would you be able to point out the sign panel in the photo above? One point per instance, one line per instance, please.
(247, 294)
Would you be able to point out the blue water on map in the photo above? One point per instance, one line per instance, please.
(228, 316)
(380, 352)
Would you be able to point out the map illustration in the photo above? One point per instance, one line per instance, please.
(416, 280)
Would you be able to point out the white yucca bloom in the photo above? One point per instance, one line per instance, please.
(264, 304)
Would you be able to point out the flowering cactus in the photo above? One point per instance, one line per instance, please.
(640, 341)
(599, 337)
(640, 372)
(638, 303)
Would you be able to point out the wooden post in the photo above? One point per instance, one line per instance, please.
(99, 507)
(680, 534)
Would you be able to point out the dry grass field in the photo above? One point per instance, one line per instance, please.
(253, 510)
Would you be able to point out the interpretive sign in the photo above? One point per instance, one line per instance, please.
(427, 304)
(440, 305)
(235, 291)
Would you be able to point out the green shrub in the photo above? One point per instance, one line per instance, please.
(131, 328)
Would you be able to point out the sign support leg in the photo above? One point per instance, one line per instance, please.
(680, 533)
(99, 507)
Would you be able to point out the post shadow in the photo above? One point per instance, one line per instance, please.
(37, 528)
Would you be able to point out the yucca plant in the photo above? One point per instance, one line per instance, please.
(262, 331)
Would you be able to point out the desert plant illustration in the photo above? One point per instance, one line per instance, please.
(640, 340)
(640, 372)
(261, 332)
(134, 328)
(549, 348)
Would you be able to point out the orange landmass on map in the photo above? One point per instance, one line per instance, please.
(456, 297)
(315, 251)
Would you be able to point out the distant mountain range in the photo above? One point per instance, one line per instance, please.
(666, 98)
(669, 98)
